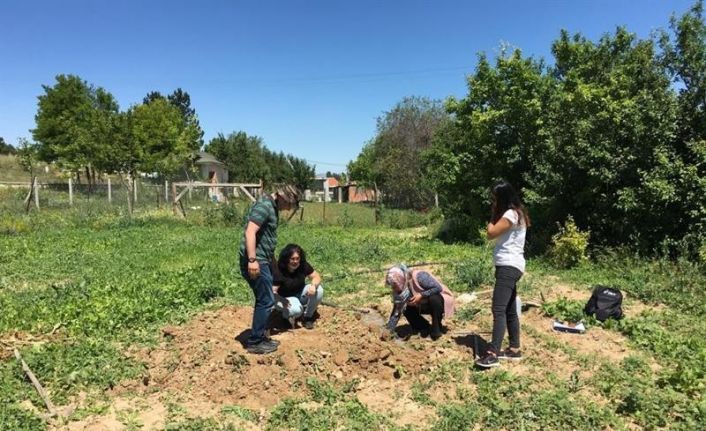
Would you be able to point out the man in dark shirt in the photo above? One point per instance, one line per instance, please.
(257, 250)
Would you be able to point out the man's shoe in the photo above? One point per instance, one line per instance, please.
(272, 340)
(308, 323)
(262, 348)
(435, 336)
(488, 361)
(510, 355)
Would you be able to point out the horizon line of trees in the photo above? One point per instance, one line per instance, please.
(81, 129)
(613, 134)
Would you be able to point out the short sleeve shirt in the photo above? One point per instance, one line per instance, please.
(292, 283)
(510, 246)
(264, 214)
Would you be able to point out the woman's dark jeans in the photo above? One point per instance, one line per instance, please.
(504, 308)
(434, 305)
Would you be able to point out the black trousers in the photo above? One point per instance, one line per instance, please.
(433, 305)
(504, 308)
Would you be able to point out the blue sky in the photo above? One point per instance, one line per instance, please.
(309, 77)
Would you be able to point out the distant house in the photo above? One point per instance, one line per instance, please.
(210, 169)
(322, 188)
(334, 191)
(352, 192)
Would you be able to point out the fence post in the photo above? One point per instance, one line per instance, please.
(110, 194)
(436, 200)
(71, 192)
(36, 193)
(174, 196)
(134, 190)
(166, 191)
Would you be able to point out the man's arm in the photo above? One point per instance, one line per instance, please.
(250, 249)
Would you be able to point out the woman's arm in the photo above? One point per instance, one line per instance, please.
(428, 283)
(397, 311)
(499, 228)
(315, 282)
(315, 278)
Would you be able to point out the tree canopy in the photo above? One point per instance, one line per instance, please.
(248, 159)
(603, 136)
(391, 161)
(612, 134)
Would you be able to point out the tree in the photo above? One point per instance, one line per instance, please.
(27, 156)
(70, 124)
(686, 59)
(6, 148)
(613, 123)
(160, 140)
(243, 155)
(182, 101)
(249, 160)
(151, 97)
(497, 132)
(391, 161)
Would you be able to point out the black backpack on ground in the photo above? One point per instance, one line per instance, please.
(605, 302)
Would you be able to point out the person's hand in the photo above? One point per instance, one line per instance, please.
(416, 299)
(311, 291)
(254, 270)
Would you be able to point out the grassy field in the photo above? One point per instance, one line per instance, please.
(80, 290)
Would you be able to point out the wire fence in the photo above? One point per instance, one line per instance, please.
(108, 194)
(214, 204)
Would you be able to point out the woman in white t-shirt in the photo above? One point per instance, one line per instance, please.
(508, 226)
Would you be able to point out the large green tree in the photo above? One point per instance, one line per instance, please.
(182, 101)
(70, 124)
(613, 123)
(685, 55)
(160, 140)
(498, 132)
(392, 160)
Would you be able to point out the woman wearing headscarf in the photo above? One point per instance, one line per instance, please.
(417, 292)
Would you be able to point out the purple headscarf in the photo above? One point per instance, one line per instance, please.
(396, 278)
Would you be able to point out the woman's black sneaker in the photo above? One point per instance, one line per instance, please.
(510, 355)
(261, 348)
(488, 361)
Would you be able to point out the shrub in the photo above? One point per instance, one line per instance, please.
(476, 271)
(459, 228)
(569, 245)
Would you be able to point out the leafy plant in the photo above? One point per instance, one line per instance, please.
(569, 245)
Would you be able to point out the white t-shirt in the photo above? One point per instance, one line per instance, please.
(510, 246)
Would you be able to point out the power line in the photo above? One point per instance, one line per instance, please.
(325, 163)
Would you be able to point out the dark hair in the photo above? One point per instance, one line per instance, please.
(287, 193)
(287, 253)
(504, 198)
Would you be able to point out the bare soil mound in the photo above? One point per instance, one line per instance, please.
(205, 359)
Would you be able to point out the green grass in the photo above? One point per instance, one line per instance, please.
(111, 281)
